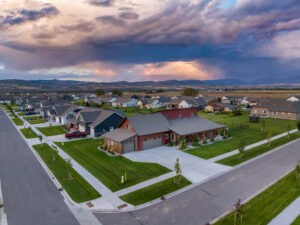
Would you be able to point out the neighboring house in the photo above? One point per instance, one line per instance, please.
(96, 121)
(219, 107)
(124, 102)
(225, 100)
(59, 113)
(149, 103)
(295, 98)
(107, 100)
(277, 108)
(200, 103)
(253, 102)
(146, 131)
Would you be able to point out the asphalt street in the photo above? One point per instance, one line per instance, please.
(29, 195)
(207, 201)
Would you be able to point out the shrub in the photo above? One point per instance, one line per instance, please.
(204, 141)
(225, 137)
(212, 139)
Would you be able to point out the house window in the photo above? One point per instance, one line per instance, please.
(111, 143)
(265, 111)
(104, 130)
(167, 136)
(128, 127)
(111, 128)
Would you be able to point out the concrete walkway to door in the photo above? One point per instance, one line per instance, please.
(193, 168)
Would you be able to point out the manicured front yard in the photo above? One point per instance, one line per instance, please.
(28, 133)
(18, 121)
(35, 119)
(267, 205)
(52, 130)
(109, 169)
(154, 191)
(77, 187)
(251, 153)
(240, 128)
(296, 221)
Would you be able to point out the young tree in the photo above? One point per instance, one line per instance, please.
(99, 92)
(288, 128)
(242, 146)
(190, 92)
(298, 125)
(297, 169)
(178, 171)
(69, 167)
(41, 139)
(269, 136)
(238, 214)
(54, 151)
(263, 126)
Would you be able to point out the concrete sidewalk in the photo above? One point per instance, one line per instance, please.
(288, 215)
(3, 216)
(219, 157)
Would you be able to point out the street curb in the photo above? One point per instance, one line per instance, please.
(3, 216)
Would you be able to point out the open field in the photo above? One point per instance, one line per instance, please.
(154, 191)
(109, 169)
(29, 133)
(18, 121)
(268, 204)
(52, 130)
(240, 129)
(78, 188)
(251, 153)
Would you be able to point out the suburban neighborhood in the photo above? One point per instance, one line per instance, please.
(130, 153)
(160, 112)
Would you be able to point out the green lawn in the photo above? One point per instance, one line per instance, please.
(18, 121)
(240, 128)
(249, 154)
(35, 119)
(28, 133)
(109, 169)
(154, 191)
(267, 205)
(78, 188)
(21, 114)
(296, 221)
(53, 130)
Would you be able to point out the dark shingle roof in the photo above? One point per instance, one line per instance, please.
(279, 105)
(149, 123)
(191, 125)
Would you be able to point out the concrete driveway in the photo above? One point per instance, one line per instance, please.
(193, 168)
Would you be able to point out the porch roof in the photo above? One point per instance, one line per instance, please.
(192, 125)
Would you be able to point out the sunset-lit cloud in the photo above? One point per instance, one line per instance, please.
(131, 40)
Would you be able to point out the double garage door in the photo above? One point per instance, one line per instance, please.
(152, 143)
(128, 146)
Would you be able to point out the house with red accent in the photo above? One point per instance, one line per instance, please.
(146, 131)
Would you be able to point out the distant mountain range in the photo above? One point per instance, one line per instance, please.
(13, 85)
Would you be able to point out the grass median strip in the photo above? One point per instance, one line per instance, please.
(154, 191)
(268, 204)
(18, 121)
(296, 221)
(29, 133)
(109, 169)
(77, 188)
(52, 130)
(240, 128)
(251, 153)
(35, 119)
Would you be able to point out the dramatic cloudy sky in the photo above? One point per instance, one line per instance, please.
(111, 40)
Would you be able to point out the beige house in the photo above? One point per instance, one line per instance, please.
(277, 108)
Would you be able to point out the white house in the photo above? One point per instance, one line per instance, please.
(295, 98)
(124, 102)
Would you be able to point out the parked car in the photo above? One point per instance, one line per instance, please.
(76, 134)
(29, 113)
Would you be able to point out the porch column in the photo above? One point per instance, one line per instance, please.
(224, 132)
(211, 133)
(218, 133)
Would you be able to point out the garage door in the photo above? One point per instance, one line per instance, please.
(152, 143)
(128, 146)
